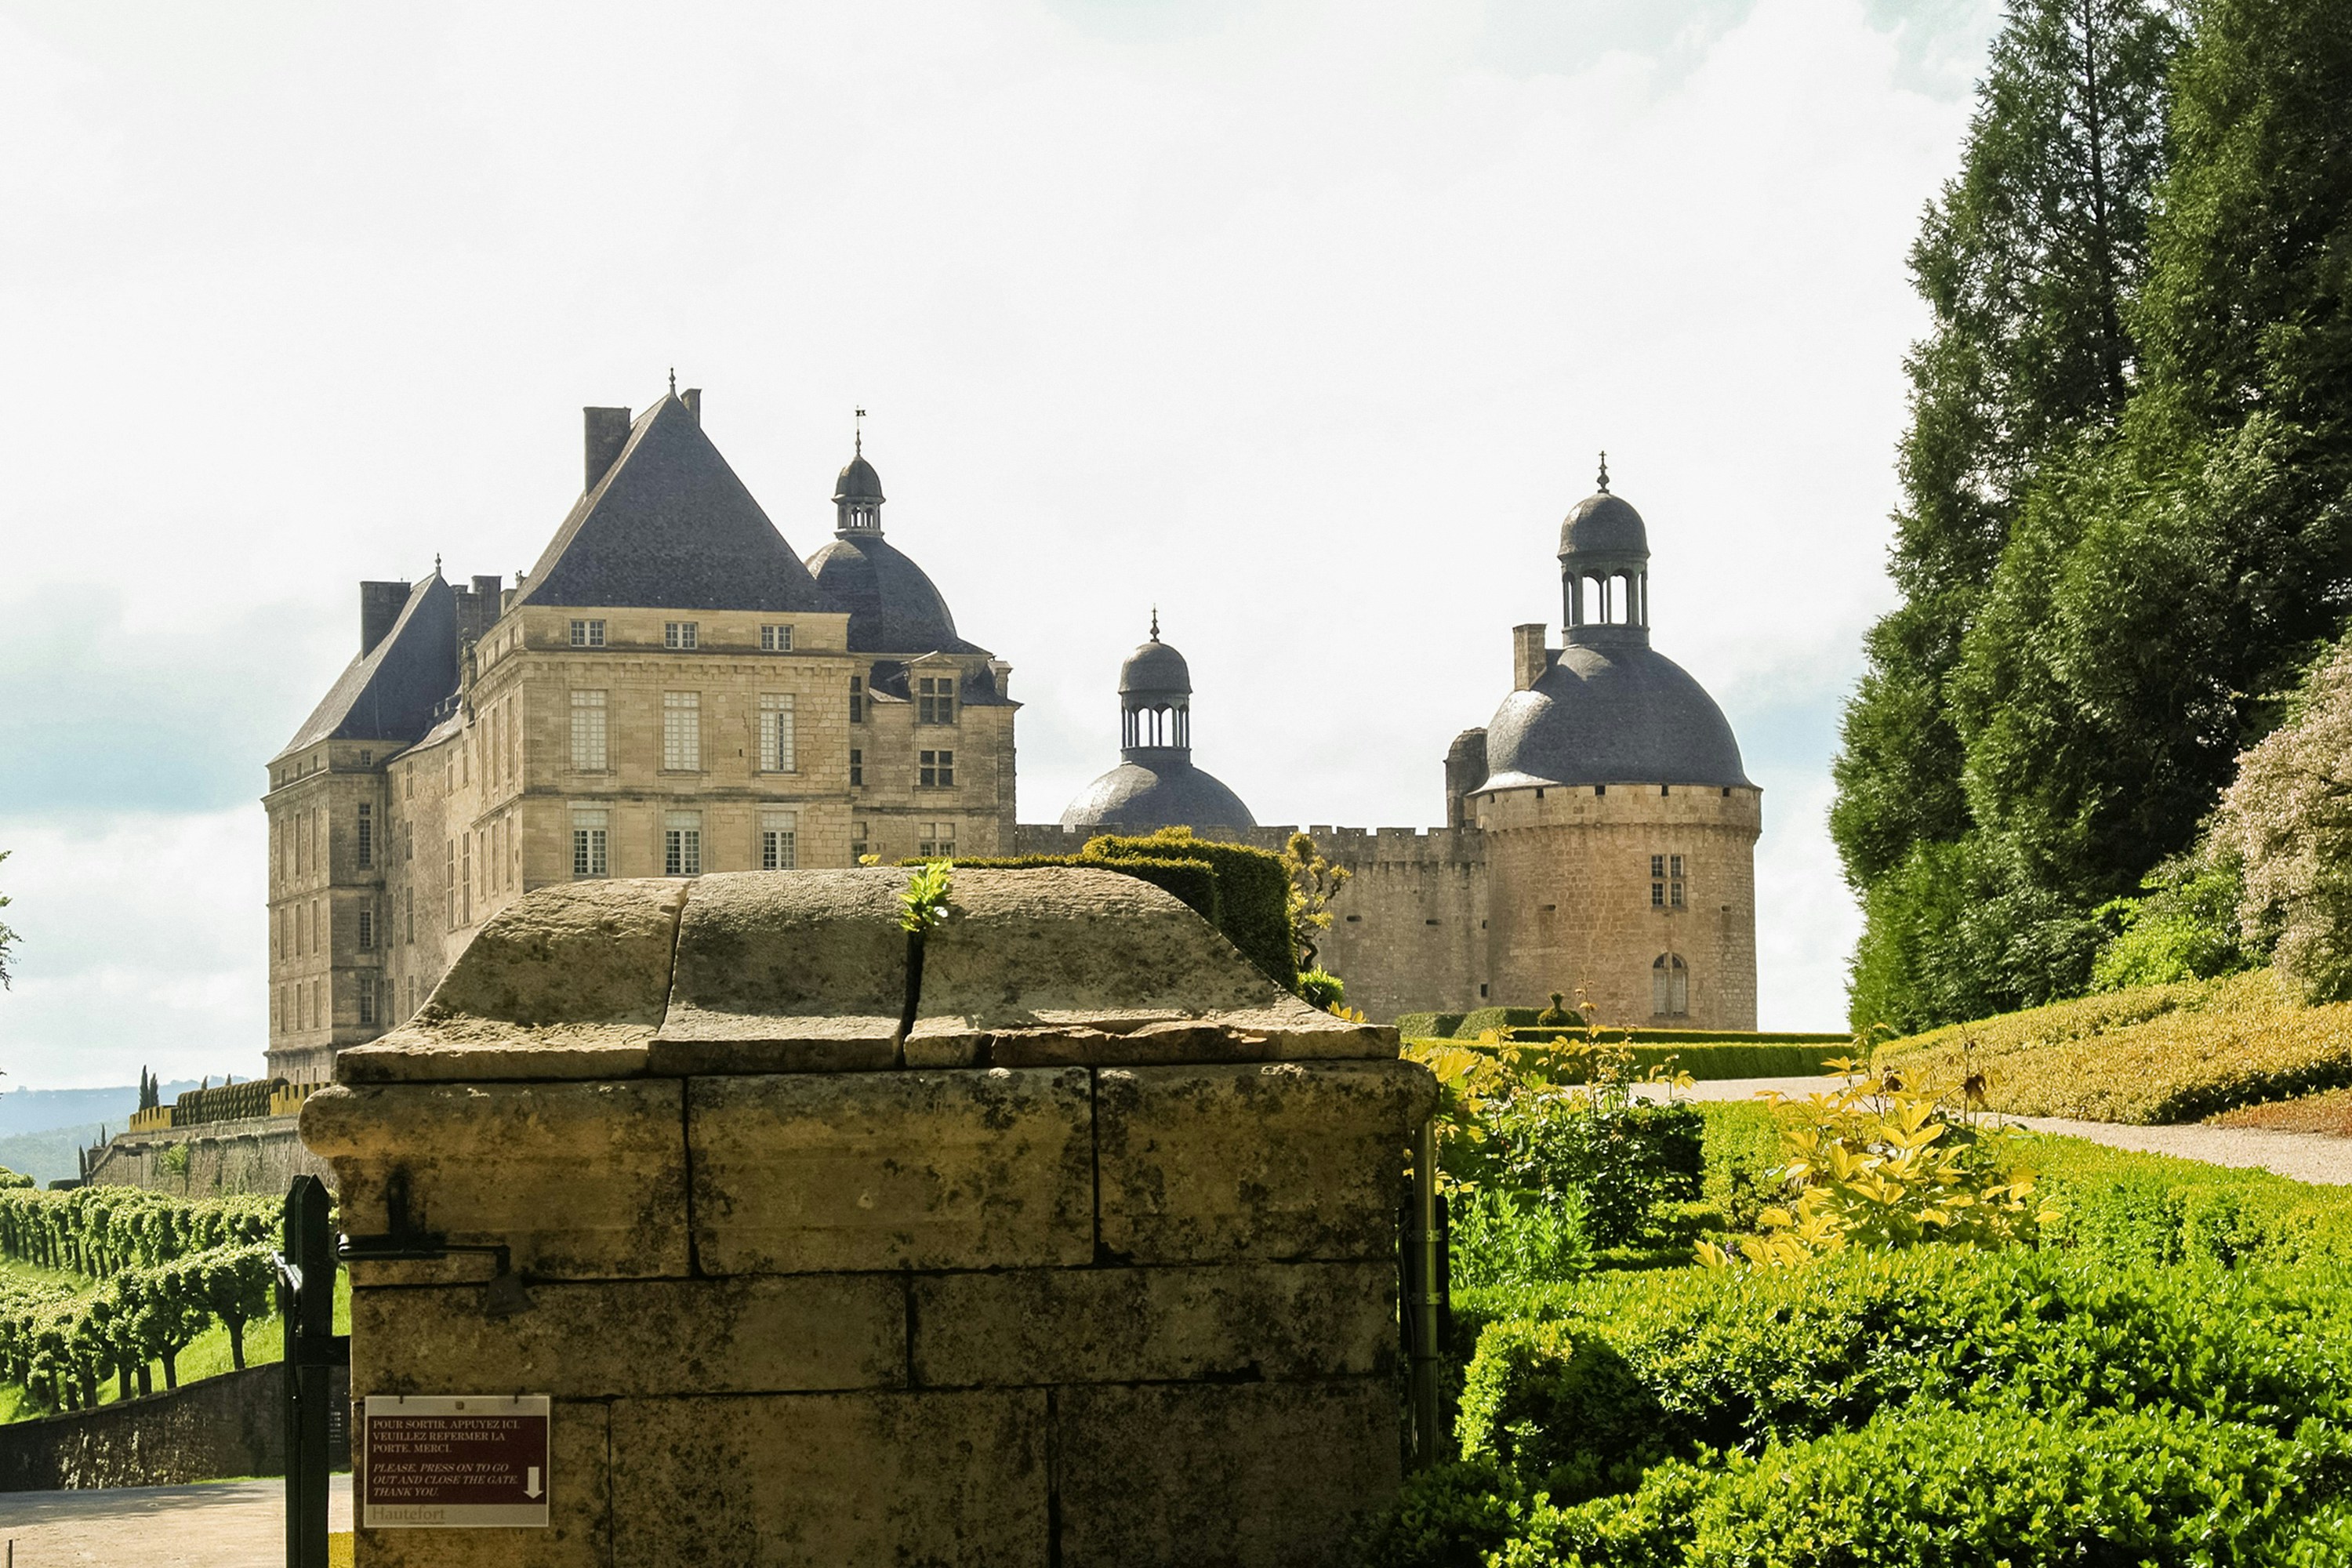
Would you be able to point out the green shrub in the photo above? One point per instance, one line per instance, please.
(1321, 988)
(1555, 1404)
(1517, 1238)
(1253, 891)
(1934, 1488)
(1449, 1516)
(1428, 1025)
(2185, 926)
(1624, 1162)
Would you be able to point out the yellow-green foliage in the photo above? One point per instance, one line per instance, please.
(2152, 1055)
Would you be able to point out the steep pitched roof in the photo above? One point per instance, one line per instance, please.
(669, 526)
(389, 693)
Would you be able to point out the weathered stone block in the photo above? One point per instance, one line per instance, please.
(1286, 1160)
(809, 1332)
(594, 950)
(1270, 1475)
(800, 972)
(832, 1481)
(800, 1174)
(579, 1511)
(1144, 1325)
(581, 1179)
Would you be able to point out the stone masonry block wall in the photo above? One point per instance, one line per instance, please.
(260, 1155)
(1133, 1304)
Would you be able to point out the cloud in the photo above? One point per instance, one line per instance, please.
(1303, 321)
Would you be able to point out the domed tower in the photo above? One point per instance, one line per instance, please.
(1155, 785)
(1622, 826)
(894, 607)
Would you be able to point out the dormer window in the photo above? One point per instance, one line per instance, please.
(776, 639)
(935, 699)
(587, 633)
(681, 634)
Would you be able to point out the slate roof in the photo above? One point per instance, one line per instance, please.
(1156, 669)
(669, 526)
(1603, 524)
(894, 607)
(389, 693)
(1157, 786)
(1619, 712)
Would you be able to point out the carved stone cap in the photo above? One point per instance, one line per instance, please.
(767, 971)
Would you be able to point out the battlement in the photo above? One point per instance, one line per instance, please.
(1350, 846)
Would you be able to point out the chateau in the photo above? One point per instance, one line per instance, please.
(672, 690)
(669, 690)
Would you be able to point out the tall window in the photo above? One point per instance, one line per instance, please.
(449, 881)
(682, 730)
(681, 634)
(408, 913)
(365, 847)
(588, 756)
(935, 699)
(935, 770)
(856, 767)
(1666, 881)
(316, 905)
(858, 699)
(367, 930)
(1669, 988)
(776, 639)
(682, 844)
(779, 848)
(367, 1001)
(466, 877)
(408, 835)
(776, 754)
(935, 839)
(591, 852)
(858, 840)
(587, 633)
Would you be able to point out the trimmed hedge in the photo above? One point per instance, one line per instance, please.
(1253, 891)
(1706, 1062)
(1519, 1024)
(1192, 881)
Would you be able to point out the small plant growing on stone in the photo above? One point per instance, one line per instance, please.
(924, 904)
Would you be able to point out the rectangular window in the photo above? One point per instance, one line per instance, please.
(858, 699)
(587, 633)
(449, 881)
(466, 877)
(935, 699)
(682, 844)
(1676, 899)
(779, 837)
(937, 839)
(301, 1009)
(588, 754)
(1677, 862)
(776, 639)
(408, 914)
(365, 849)
(935, 770)
(681, 634)
(367, 1002)
(315, 906)
(367, 930)
(367, 759)
(857, 767)
(408, 838)
(776, 752)
(682, 730)
(591, 853)
(1657, 865)
(319, 1018)
(858, 841)
(1657, 895)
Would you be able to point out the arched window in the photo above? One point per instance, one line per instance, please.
(1669, 988)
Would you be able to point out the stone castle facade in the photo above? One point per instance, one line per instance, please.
(672, 690)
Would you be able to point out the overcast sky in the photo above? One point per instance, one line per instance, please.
(1304, 322)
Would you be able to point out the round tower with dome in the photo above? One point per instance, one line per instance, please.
(1620, 826)
(1155, 785)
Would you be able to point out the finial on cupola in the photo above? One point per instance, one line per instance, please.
(861, 433)
(673, 380)
(1155, 622)
(1604, 473)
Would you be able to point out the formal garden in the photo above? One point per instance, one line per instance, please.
(1872, 1327)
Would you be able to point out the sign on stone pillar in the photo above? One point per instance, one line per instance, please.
(454, 1461)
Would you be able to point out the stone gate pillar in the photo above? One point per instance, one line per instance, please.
(1093, 1264)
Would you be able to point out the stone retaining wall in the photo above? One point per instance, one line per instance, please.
(261, 1154)
(232, 1425)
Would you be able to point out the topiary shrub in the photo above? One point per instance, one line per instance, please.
(1253, 891)
(1557, 1017)
(1558, 1406)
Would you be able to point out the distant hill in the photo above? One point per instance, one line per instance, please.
(52, 1155)
(55, 1110)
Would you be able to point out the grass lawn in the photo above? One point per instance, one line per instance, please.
(208, 1355)
(2149, 1056)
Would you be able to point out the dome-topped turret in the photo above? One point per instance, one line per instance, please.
(858, 482)
(857, 492)
(894, 606)
(1155, 668)
(1155, 785)
(1603, 524)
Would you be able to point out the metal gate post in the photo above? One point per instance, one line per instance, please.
(307, 1298)
(1424, 1300)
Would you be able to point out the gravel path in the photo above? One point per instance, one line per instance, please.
(217, 1524)
(2307, 1157)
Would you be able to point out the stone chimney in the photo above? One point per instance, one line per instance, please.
(607, 432)
(380, 606)
(1528, 657)
(692, 398)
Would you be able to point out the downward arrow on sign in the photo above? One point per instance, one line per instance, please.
(530, 1481)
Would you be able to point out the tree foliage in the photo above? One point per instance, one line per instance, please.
(7, 937)
(2126, 505)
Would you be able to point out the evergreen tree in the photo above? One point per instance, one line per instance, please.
(2030, 259)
